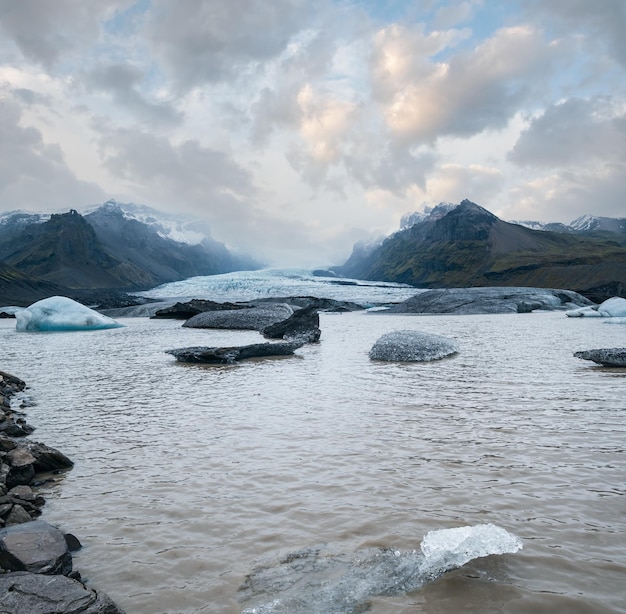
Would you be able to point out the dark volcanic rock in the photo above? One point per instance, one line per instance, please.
(28, 593)
(303, 325)
(184, 311)
(412, 346)
(255, 318)
(607, 357)
(34, 546)
(490, 300)
(229, 355)
(47, 458)
(321, 304)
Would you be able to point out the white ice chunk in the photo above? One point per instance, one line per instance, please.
(447, 549)
(614, 307)
(59, 313)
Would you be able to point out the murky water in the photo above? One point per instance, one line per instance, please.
(188, 477)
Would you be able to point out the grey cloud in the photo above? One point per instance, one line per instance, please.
(30, 97)
(203, 41)
(44, 30)
(33, 174)
(575, 132)
(603, 21)
(123, 82)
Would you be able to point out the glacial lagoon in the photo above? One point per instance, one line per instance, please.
(191, 479)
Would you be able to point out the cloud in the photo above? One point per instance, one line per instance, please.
(204, 41)
(33, 174)
(470, 93)
(45, 31)
(123, 82)
(575, 132)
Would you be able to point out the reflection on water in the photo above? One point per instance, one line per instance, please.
(189, 477)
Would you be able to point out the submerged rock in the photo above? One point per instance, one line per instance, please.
(254, 318)
(614, 307)
(229, 355)
(29, 593)
(318, 581)
(607, 357)
(302, 325)
(412, 346)
(464, 301)
(59, 313)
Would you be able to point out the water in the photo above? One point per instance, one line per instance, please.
(189, 478)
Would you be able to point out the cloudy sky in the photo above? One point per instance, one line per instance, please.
(296, 127)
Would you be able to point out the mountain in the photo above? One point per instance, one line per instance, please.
(105, 249)
(469, 246)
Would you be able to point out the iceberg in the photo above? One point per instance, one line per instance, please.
(614, 307)
(59, 313)
(412, 346)
(316, 581)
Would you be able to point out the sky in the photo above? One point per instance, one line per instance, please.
(297, 127)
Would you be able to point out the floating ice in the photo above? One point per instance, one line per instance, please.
(59, 313)
(412, 345)
(320, 582)
(614, 307)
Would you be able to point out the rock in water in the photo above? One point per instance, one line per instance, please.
(607, 357)
(28, 593)
(34, 546)
(303, 325)
(59, 313)
(254, 318)
(412, 346)
(229, 355)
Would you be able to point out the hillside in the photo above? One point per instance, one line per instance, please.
(469, 246)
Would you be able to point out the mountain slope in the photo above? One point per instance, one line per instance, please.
(469, 246)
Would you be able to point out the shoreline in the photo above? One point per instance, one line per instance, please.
(36, 570)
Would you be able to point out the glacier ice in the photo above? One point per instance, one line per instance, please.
(614, 307)
(59, 313)
(318, 581)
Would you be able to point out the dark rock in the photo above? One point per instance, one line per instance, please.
(321, 304)
(229, 355)
(34, 546)
(17, 515)
(28, 593)
(463, 301)
(607, 357)
(412, 346)
(47, 458)
(184, 311)
(255, 318)
(302, 325)
(73, 543)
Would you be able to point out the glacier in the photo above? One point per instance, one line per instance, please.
(59, 313)
(320, 581)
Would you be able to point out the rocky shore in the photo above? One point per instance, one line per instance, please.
(36, 571)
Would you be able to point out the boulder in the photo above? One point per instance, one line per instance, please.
(185, 311)
(303, 325)
(254, 318)
(614, 307)
(34, 546)
(464, 301)
(23, 592)
(47, 458)
(412, 346)
(607, 357)
(229, 355)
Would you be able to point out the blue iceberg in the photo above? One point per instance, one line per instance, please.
(59, 313)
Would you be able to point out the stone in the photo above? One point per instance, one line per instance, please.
(28, 593)
(607, 357)
(463, 301)
(185, 311)
(412, 346)
(17, 515)
(254, 318)
(303, 324)
(47, 458)
(229, 355)
(34, 546)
